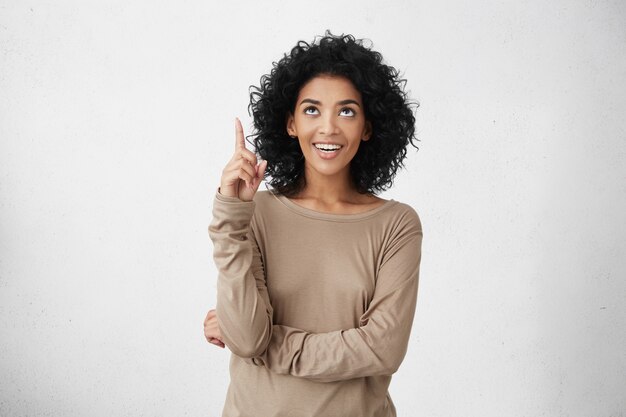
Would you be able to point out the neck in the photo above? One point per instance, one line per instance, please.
(328, 189)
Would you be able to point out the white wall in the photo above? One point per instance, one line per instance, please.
(115, 123)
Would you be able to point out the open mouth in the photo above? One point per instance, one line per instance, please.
(327, 151)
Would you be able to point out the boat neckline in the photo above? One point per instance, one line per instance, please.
(330, 216)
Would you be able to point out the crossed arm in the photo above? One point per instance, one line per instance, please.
(244, 312)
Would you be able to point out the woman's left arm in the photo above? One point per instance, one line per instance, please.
(378, 345)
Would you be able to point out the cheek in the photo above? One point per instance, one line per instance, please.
(356, 134)
(305, 144)
(306, 128)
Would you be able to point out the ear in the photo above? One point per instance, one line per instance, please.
(367, 131)
(291, 126)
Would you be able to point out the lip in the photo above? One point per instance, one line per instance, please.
(327, 155)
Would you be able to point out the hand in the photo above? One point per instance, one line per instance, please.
(212, 330)
(241, 176)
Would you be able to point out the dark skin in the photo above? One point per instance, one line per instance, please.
(329, 109)
(240, 178)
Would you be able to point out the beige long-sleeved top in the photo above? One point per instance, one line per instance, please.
(316, 308)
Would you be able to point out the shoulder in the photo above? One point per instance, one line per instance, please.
(263, 197)
(404, 217)
(264, 209)
(403, 234)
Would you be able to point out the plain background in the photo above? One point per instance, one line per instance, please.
(116, 119)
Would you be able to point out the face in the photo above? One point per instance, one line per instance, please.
(329, 110)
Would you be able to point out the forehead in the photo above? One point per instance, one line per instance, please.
(329, 88)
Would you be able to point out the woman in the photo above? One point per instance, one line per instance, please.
(318, 276)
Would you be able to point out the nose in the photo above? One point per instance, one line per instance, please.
(328, 125)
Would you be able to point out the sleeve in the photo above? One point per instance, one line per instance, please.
(379, 345)
(244, 312)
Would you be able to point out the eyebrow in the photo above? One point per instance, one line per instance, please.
(341, 103)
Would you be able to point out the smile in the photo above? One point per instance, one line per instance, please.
(327, 151)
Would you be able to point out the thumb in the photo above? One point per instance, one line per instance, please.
(260, 172)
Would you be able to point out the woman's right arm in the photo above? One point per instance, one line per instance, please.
(244, 313)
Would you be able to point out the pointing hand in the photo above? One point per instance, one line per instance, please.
(242, 176)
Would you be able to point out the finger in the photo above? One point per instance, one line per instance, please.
(249, 169)
(260, 174)
(241, 170)
(261, 169)
(211, 325)
(213, 330)
(217, 343)
(248, 155)
(214, 335)
(210, 335)
(247, 177)
(240, 142)
(210, 314)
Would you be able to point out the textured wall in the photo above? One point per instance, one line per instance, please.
(115, 124)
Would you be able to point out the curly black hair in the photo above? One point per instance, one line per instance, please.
(386, 107)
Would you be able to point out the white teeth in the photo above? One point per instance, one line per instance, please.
(327, 147)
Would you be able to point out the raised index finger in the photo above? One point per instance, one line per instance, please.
(240, 142)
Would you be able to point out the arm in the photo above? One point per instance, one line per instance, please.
(243, 308)
(379, 345)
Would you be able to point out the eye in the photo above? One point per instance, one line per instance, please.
(310, 110)
(347, 111)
